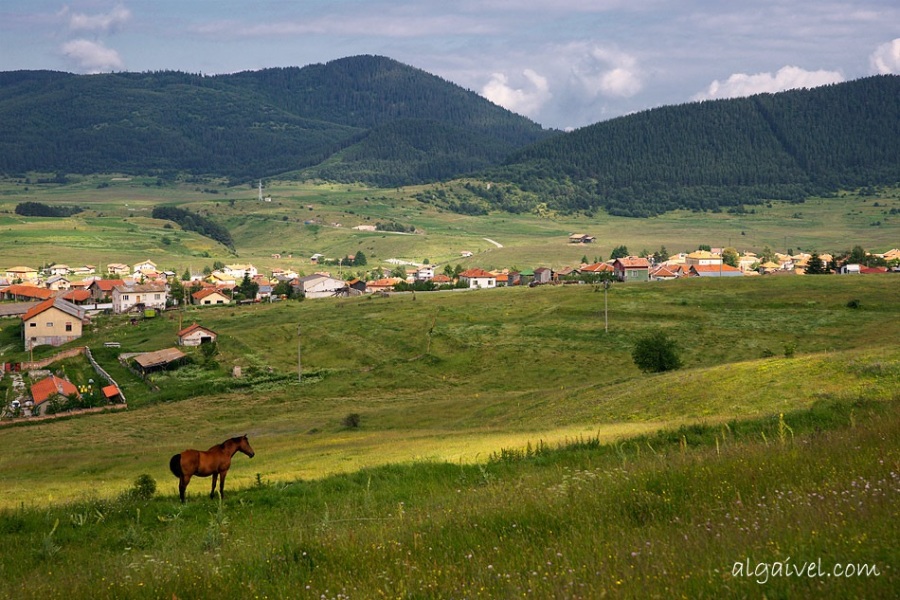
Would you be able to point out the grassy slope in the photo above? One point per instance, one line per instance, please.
(122, 234)
(504, 367)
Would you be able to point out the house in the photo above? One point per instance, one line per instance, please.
(19, 291)
(382, 285)
(663, 273)
(59, 270)
(478, 278)
(239, 271)
(441, 279)
(357, 284)
(21, 274)
(143, 267)
(319, 286)
(47, 388)
(117, 269)
(195, 335)
(849, 269)
(702, 257)
(542, 275)
(84, 270)
(210, 296)
(597, 268)
(631, 269)
(57, 282)
(425, 273)
(53, 322)
(719, 270)
(581, 238)
(101, 289)
(139, 297)
(76, 296)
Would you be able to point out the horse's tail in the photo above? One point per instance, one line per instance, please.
(175, 466)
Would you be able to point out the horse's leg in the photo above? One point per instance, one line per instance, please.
(182, 485)
(212, 492)
(222, 485)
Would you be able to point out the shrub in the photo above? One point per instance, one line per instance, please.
(351, 420)
(853, 304)
(144, 487)
(656, 353)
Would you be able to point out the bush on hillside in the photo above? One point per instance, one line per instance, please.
(656, 353)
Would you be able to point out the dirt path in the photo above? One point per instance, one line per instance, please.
(498, 244)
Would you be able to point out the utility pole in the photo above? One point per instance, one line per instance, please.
(605, 306)
(299, 363)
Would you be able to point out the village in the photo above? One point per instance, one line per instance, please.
(56, 302)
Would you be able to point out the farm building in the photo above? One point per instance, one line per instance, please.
(196, 334)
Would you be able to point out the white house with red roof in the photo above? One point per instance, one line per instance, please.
(478, 279)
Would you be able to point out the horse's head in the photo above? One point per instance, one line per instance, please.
(244, 446)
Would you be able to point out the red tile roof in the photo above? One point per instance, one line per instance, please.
(29, 291)
(77, 295)
(634, 263)
(45, 388)
(476, 273)
(59, 303)
(111, 391)
(192, 328)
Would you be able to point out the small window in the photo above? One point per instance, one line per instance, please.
(49, 323)
(32, 324)
(68, 327)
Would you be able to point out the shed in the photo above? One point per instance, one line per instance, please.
(195, 335)
(159, 360)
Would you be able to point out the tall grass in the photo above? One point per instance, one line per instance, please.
(666, 515)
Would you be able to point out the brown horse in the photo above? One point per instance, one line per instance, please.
(215, 461)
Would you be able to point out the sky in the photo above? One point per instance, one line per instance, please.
(563, 63)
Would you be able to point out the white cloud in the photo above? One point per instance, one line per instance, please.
(787, 78)
(527, 99)
(886, 58)
(604, 72)
(92, 57)
(100, 22)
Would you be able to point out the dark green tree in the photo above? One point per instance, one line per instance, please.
(656, 353)
(359, 259)
(619, 252)
(815, 266)
(248, 287)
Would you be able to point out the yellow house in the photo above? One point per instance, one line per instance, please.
(22, 274)
(53, 322)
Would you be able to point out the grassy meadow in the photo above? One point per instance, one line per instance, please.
(507, 445)
(116, 227)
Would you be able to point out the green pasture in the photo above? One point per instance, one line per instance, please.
(507, 446)
(453, 376)
(116, 226)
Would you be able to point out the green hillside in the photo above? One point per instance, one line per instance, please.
(719, 154)
(506, 445)
(247, 125)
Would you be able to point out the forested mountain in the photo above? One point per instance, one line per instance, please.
(716, 154)
(373, 120)
(251, 124)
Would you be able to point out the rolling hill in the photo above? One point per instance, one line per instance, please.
(718, 154)
(253, 124)
(373, 120)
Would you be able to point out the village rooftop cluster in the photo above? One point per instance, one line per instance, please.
(54, 304)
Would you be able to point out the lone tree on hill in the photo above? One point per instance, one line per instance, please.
(656, 353)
